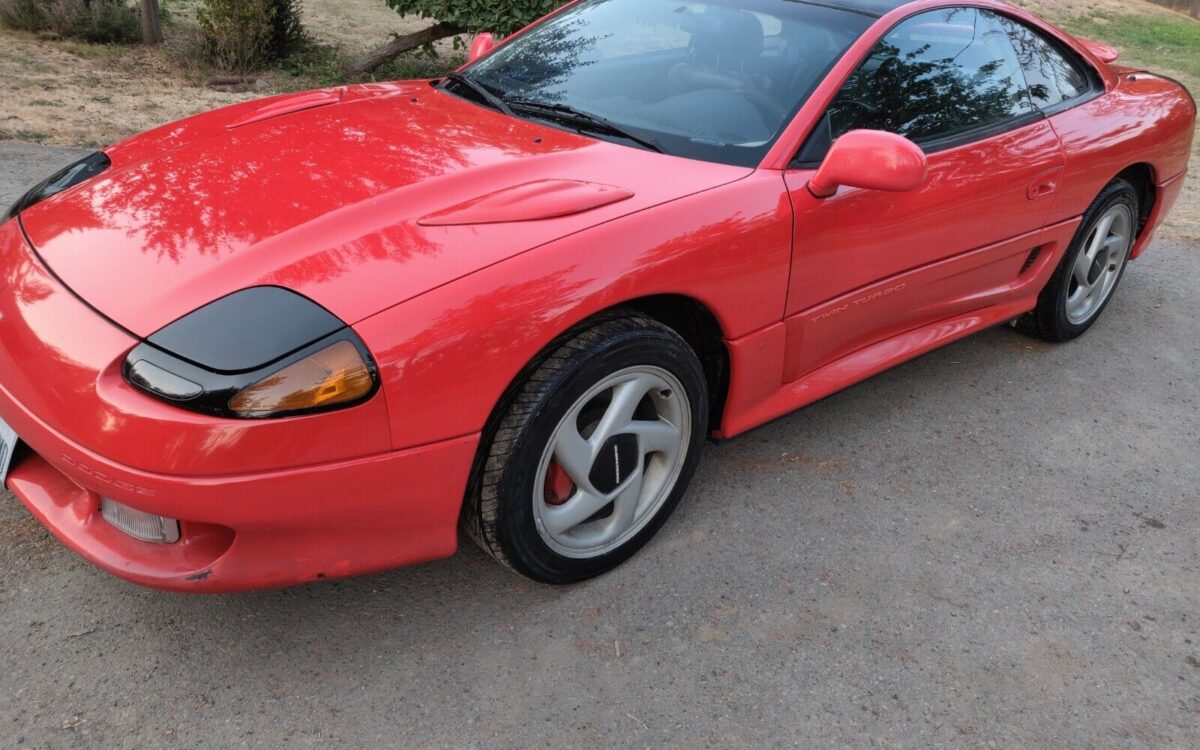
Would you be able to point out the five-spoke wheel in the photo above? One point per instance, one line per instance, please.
(612, 461)
(1098, 265)
(592, 452)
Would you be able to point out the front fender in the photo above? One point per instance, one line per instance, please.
(447, 356)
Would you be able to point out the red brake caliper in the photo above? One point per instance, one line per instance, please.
(559, 486)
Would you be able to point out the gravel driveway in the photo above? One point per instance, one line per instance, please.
(992, 546)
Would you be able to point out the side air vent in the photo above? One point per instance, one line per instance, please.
(1033, 256)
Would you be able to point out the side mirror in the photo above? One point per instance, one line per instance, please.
(872, 160)
(481, 45)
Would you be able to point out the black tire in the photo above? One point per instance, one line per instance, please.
(499, 512)
(1050, 320)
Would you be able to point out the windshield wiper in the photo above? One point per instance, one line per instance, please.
(581, 120)
(482, 91)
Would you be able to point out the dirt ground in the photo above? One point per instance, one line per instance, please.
(73, 94)
(87, 98)
(355, 25)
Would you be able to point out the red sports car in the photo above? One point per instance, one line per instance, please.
(312, 336)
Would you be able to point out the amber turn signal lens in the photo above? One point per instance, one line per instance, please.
(334, 375)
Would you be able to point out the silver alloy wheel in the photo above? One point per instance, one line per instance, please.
(1099, 263)
(620, 448)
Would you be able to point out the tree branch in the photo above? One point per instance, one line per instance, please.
(400, 44)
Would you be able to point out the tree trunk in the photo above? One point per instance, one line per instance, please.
(401, 44)
(151, 22)
(1195, 8)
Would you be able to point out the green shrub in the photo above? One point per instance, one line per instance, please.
(498, 16)
(244, 35)
(100, 21)
(26, 15)
(236, 32)
(287, 32)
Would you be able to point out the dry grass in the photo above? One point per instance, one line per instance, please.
(355, 25)
(69, 93)
(1060, 10)
(86, 95)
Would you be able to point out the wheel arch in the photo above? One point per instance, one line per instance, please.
(1142, 176)
(693, 320)
(699, 327)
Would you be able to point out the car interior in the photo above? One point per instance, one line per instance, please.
(707, 72)
(737, 81)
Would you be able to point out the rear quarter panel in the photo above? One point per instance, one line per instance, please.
(1143, 118)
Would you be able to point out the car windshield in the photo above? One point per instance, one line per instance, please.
(716, 80)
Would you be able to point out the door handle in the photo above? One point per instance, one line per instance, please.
(1045, 184)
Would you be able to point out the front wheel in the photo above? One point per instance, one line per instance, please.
(592, 454)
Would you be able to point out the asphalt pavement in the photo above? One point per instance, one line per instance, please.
(995, 545)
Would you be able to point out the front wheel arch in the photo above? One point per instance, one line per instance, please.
(695, 323)
(505, 439)
(699, 327)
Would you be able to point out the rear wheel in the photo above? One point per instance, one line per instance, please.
(1084, 282)
(593, 453)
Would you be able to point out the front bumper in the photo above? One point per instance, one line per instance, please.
(260, 504)
(249, 532)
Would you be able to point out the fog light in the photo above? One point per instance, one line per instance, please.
(139, 525)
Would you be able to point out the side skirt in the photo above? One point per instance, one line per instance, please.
(764, 385)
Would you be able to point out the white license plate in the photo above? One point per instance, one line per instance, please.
(8, 443)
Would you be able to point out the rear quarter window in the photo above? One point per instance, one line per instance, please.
(1053, 77)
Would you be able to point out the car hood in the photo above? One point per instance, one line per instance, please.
(359, 198)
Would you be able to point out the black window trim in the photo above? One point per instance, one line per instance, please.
(834, 5)
(983, 132)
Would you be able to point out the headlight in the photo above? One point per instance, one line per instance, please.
(335, 375)
(81, 171)
(259, 353)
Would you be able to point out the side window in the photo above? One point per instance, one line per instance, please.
(935, 75)
(1053, 77)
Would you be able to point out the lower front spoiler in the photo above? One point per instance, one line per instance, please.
(257, 531)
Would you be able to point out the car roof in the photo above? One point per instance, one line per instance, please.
(866, 7)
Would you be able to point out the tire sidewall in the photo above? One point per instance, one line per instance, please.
(516, 529)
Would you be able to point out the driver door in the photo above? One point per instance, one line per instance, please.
(870, 265)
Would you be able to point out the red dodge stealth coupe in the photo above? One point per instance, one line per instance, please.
(315, 335)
